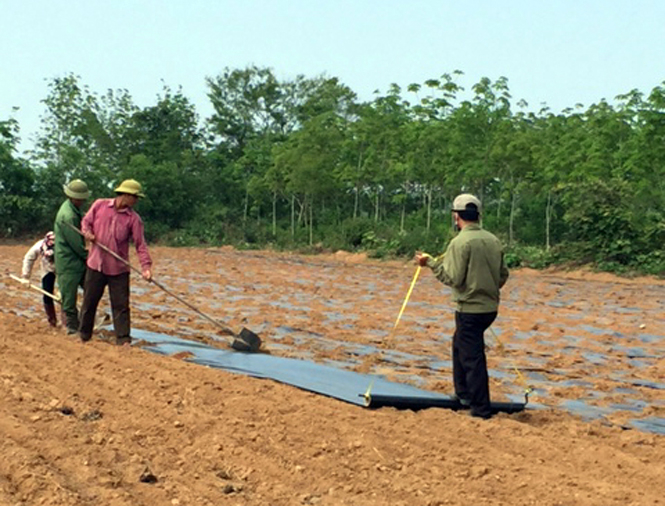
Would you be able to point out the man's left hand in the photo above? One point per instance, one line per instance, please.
(147, 274)
(422, 258)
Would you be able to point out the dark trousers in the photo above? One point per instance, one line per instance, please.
(469, 362)
(48, 284)
(95, 282)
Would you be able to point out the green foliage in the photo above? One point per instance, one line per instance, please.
(534, 257)
(170, 191)
(19, 215)
(301, 163)
(383, 239)
(602, 221)
(19, 210)
(651, 263)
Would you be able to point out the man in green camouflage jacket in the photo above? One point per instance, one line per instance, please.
(473, 266)
(70, 253)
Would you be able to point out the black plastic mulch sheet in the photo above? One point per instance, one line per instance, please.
(360, 389)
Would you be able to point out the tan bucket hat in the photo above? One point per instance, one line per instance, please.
(463, 200)
(76, 189)
(130, 186)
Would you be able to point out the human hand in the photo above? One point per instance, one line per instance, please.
(147, 274)
(422, 258)
(24, 281)
(89, 236)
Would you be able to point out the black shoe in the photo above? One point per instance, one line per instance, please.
(71, 331)
(484, 416)
(122, 341)
(464, 403)
(85, 338)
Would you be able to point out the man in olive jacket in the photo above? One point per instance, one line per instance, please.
(70, 253)
(473, 266)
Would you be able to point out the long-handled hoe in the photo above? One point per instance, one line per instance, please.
(101, 321)
(246, 340)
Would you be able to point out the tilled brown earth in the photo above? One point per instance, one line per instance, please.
(98, 424)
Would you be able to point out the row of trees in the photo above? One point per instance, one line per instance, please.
(304, 162)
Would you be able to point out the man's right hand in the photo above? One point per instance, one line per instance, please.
(89, 236)
(422, 258)
(25, 281)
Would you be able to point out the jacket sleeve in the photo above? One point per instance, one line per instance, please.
(450, 268)
(73, 239)
(455, 265)
(503, 273)
(29, 259)
(436, 264)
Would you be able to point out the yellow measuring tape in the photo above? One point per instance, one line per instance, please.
(368, 393)
(408, 295)
(520, 377)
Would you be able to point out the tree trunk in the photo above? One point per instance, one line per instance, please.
(513, 205)
(356, 201)
(311, 223)
(302, 210)
(377, 210)
(293, 216)
(246, 209)
(548, 220)
(274, 214)
(429, 208)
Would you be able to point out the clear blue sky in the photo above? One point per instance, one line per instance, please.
(559, 52)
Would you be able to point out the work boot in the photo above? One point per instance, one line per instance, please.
(50, 314)
(481, 414)
(122, 341)
(483, 411)
(465, 403)
(71, 324)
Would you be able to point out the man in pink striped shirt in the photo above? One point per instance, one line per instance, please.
(113, 223)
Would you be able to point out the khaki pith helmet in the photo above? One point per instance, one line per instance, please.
(463, 200)
(76, 189)
(130, 186)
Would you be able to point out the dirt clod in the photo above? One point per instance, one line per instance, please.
(147, 476)
(92, 416)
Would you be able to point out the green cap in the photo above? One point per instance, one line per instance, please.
(76, 189)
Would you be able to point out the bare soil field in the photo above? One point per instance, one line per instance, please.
(84, 424)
